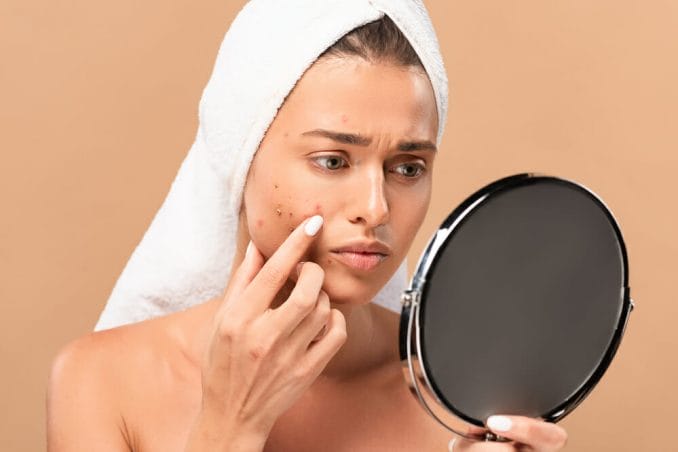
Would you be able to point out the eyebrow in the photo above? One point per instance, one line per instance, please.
(360, 140)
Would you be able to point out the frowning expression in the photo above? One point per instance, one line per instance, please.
(355, 142)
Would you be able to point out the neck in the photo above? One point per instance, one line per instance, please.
(361, 348)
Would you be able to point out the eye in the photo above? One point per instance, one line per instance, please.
(410, 169)
(331, 162)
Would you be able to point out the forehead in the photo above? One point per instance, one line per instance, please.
(365, 96)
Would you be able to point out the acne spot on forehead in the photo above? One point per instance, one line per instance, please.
(260, 223)
(317, 208)
(344, 119)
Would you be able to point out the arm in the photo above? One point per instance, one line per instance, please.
(82, 412)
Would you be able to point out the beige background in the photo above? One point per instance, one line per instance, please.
(98, 105)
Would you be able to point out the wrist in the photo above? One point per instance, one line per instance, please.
(217, 433)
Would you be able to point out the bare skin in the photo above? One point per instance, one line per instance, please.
(291, 357)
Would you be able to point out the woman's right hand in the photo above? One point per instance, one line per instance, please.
(261, 360)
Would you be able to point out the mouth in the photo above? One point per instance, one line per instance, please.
(364, 256)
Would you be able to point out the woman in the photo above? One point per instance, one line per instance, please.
(292, 356)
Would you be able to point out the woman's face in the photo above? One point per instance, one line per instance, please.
(354, 142)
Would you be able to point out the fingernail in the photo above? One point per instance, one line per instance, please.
(313, 225)
(249, 250)
(499, 423)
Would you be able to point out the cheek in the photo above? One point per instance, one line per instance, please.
(407, 216)
(273, 214)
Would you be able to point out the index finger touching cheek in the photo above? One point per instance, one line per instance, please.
(274, 273)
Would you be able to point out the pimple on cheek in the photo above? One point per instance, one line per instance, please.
(316, 209)
(260, 223)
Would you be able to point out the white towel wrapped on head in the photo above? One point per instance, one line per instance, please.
(185, 255)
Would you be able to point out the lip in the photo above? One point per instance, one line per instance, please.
(362, 246)
(362, 255)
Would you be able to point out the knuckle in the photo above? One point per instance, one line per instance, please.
(302, 302)
(229, 331)
(323, 310)
(273, 277)
(559, 438)
(339, 333)
(259, 349)
(276, 361)
(339, 319)
(547, 434)
(324, 307)
(256, 352)
(532, 430)
(323, 297)
(300, 373)
(316, 269)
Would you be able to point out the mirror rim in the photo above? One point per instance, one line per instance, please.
(412, 358)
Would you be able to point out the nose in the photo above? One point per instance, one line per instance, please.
(369, 205)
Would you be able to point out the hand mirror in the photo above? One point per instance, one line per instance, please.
(517, 305)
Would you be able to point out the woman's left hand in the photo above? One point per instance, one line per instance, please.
(526, 434)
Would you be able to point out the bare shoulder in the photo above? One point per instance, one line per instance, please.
(105, 353)
(90, 380)
(91, 350)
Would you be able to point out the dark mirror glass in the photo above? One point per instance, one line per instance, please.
(523, 302)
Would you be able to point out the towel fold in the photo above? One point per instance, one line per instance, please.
(185, 256)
